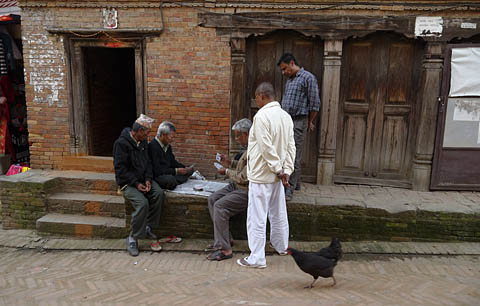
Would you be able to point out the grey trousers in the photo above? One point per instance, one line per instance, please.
(222, 205)
(147, 208)
(299, 132)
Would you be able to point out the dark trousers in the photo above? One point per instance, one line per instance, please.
(299, 132)
(223, 204)
(171, 181)
(147, 209)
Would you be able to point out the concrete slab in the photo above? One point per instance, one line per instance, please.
(392, 206)
(445, 207)
(79, 219)
(70, 196)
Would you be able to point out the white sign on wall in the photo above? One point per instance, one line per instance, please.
(468, 25)
(428, 26)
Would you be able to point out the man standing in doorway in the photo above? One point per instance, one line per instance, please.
(270, 158)
(302, 101)
(133, 173)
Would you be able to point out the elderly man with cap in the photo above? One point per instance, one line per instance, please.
(133, 173)
(231, 199)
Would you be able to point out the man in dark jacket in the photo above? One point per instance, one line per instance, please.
(133, 173)
(167, 171)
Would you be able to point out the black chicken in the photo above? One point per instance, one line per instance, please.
(333, 251)
(320, 263)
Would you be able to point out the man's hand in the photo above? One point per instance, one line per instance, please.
(183, 171)
(222, 171)
(142, 188)
(148, 186)
(224, 160)
(311, 126)
(284, 178)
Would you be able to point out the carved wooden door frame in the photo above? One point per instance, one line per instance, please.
(444, 176)
(78, 106)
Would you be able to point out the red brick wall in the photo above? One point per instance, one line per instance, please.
(189, 84)
(188, 80)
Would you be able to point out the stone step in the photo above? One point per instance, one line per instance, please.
(81, 226)
(84, 181)
(86, 204)
(87, 163)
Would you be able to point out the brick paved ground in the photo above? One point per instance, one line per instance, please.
(31, 277)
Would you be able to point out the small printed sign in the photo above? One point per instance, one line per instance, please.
(428, 26)
(468, 25)
(110, 20)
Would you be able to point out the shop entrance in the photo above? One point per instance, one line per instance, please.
(110, 95)
(107, 81)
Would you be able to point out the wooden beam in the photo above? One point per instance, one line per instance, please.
(329, 27)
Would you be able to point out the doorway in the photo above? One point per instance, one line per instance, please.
(376, 129)
(263, 54)
(110, 93)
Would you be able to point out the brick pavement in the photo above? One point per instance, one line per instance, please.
(30, 277)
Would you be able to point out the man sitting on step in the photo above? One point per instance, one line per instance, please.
(167, 171)
(232, 199)
(133, 173)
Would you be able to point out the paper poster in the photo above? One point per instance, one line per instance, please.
(428, 26)
(462, 125)
(465, 75)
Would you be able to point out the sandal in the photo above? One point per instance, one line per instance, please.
(211, 246)
(218, 255)
(155, 246)
(171, 239)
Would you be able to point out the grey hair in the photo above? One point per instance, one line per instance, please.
(242, 125)
(166, 127)
(265, 89)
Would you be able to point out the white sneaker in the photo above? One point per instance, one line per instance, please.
(244, 263)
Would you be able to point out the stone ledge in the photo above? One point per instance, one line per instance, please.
(351, 213)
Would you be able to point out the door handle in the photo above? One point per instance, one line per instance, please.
(441, 100)
(374, 174)
(367, 173)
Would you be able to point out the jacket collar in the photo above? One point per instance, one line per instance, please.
(271, 104)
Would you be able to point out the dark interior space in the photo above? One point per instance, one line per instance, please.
(110, 79)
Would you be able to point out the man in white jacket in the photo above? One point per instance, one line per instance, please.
(271, 156)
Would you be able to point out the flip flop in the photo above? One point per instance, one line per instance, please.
(218, 255)
(171, 239)
(211, 247)
(155, 246)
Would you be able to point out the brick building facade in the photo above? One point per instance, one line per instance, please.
(191, 62)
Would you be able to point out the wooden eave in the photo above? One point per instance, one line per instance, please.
(328, 27)
(127, 32)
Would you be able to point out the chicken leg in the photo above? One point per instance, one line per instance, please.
(334, 281)
(311, 285)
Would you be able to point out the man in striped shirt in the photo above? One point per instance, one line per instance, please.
(302, 101)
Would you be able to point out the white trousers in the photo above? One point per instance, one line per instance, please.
(266, 200)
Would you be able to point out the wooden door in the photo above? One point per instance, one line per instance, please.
(456, 163)
(377, 110)
(262, 56)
